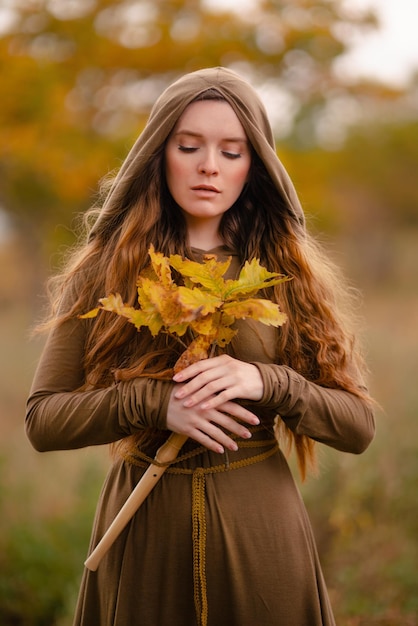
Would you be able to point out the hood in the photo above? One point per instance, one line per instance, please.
(167, 110)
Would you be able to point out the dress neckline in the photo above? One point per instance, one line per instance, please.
(220, 249)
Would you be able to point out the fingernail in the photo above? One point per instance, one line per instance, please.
(233, 447)
(220, 450)
(177, 377)
(247, 435)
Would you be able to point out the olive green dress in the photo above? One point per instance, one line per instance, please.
(220, 541)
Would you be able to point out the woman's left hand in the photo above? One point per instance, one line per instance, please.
(217, 380)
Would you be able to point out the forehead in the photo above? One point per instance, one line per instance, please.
(209, 116)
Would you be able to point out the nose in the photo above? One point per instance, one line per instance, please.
(208, 165)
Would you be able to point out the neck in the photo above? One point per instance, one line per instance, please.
(204, 238)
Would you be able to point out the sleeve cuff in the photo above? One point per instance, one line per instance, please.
(283, 392)
(145, 402)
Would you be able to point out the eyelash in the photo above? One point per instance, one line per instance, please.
(228, 155)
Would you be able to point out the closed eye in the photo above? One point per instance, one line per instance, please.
(231, 155)
(226, 153)
(187, 148)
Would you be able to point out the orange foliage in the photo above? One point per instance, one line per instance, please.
(207, 305)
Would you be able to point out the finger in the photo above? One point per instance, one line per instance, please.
(211, 393)
(201, 366)
(222, 386)
(228, 380)
(198, 382)
(192, 370)
(213, 437)
(215, 430)
(206, 441)
(239, 412)
(235, 427)
(218, 436)
(230, 418)
(202, 378)
(226, 373)
(214, 423)
(215, 400)
(208, 427)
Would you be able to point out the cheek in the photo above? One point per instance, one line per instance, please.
(240, 176)
(174, 171)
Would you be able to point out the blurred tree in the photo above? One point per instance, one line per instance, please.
(80, 76)
(365, 190)
(115, 57)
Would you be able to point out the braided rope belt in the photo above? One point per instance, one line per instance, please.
(198, 506)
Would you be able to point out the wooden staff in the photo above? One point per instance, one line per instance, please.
(166, 454)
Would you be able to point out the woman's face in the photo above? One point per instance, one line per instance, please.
(207, 163)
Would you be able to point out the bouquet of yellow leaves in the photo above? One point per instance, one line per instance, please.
(205, 304)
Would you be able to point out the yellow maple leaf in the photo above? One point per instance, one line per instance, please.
(224, 335)
(115, 304)
(196, 351)
(202, 302)
(90, 314)
(251, 279)
(207, 304)
(139, 318)
(206, 325)
(209, 274)
(263, 311)
(161, 266)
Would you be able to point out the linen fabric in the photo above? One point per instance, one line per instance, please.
(261, 566)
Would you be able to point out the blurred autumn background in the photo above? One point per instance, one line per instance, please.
(78, 78)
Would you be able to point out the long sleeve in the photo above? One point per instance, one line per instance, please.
(59, 416)
(337, 418)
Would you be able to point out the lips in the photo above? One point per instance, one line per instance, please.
(205, 188)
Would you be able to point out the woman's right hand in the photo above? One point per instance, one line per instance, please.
(206, 425)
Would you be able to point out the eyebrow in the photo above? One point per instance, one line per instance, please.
(191, 133)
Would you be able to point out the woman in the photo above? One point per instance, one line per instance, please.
(223, 539)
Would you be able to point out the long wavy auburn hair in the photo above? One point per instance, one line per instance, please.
(317, 341)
